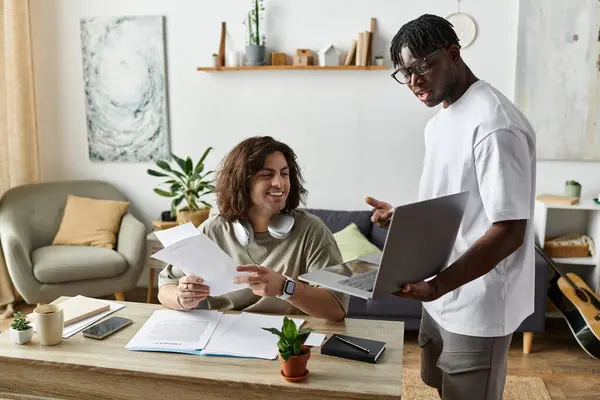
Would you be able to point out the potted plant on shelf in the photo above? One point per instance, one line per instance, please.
(293, 353)
(255, 49)
(572, 189)
(379, 60)
(189, 184)
(215, 59)
(21, 331)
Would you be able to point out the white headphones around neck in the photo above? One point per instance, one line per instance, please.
(280, 227)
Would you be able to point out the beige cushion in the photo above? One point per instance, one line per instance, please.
(354, 244)
(56, 264)
(90, 222)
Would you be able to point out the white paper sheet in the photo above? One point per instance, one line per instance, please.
(315, 339)
(245, 338)
(169, 330)
(199, 256)
(72, 329)
(173, 235)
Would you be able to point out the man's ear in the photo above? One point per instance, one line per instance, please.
(454, 52)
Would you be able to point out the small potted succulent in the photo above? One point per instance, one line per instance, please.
(293, 353)
(572, 189)
(379, 60)
(21, 331)
(215, 59)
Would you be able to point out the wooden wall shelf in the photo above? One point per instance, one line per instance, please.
(310, 67)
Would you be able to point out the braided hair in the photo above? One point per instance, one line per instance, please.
(423, 35)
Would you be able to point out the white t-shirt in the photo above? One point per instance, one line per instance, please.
(483, 144)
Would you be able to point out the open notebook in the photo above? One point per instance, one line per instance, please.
(207, 332)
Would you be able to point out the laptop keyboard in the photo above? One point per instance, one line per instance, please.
(364, 281)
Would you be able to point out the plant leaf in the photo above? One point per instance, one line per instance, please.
(297, 347)
(289, 329)
(206, 204)
(164, 193)
(285, 355)
(201, 161)
(176, 186)
(179, 161)
(164, 165)
(274, 331)
(178, 200)
(189, 166)
(156, 173)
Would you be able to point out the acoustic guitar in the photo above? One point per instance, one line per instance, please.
(578, 304)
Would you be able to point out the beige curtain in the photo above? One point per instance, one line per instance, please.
(19, 162)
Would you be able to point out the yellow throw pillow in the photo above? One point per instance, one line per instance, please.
(91, 222)
(354, 244)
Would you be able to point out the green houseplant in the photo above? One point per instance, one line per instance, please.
(572, 189)
(293, 353)
(21, 331)
(255, 49)
(187, 181)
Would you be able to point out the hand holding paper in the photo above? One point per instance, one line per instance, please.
(197, 255)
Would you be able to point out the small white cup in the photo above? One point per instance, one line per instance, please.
(233, 59)
(49, 323)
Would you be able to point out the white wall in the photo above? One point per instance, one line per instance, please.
(356, 133)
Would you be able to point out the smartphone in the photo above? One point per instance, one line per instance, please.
(106, 328)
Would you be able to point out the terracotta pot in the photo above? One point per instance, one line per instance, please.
(195, 217)
(294, 369)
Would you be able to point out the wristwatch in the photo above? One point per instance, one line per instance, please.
(288, 288)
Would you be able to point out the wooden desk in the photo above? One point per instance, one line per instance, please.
(82, 368)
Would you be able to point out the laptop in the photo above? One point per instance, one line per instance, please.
(418, 245)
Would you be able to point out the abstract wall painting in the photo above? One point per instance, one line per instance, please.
(125, 88)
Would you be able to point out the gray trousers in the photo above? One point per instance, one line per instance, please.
(462, 367)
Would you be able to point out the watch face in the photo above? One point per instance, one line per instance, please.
(289, 287)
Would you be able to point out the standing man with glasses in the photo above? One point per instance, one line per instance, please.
(478, 142)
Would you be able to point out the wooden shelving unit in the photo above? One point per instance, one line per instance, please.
(282, 67)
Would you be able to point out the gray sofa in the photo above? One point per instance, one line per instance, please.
(409, 311)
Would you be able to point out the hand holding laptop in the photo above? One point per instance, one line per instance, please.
(421, 291)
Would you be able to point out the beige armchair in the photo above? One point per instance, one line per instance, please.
(30, 216)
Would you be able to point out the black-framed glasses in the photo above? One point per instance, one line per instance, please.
(419, 67)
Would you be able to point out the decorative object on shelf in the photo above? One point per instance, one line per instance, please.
(303, 57)
(21, 331)
(221, 56)
(464, 26)
(572, 189)
(215, 60)
(278, 58)
(379, 60)
(557, 199)
(370, 44)
(123, 61)
(351, 56)
(293, 354)
(189, 184)
(329, 56)
(255, 50)
(571, 245)
(233, 59)
(597, 199)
